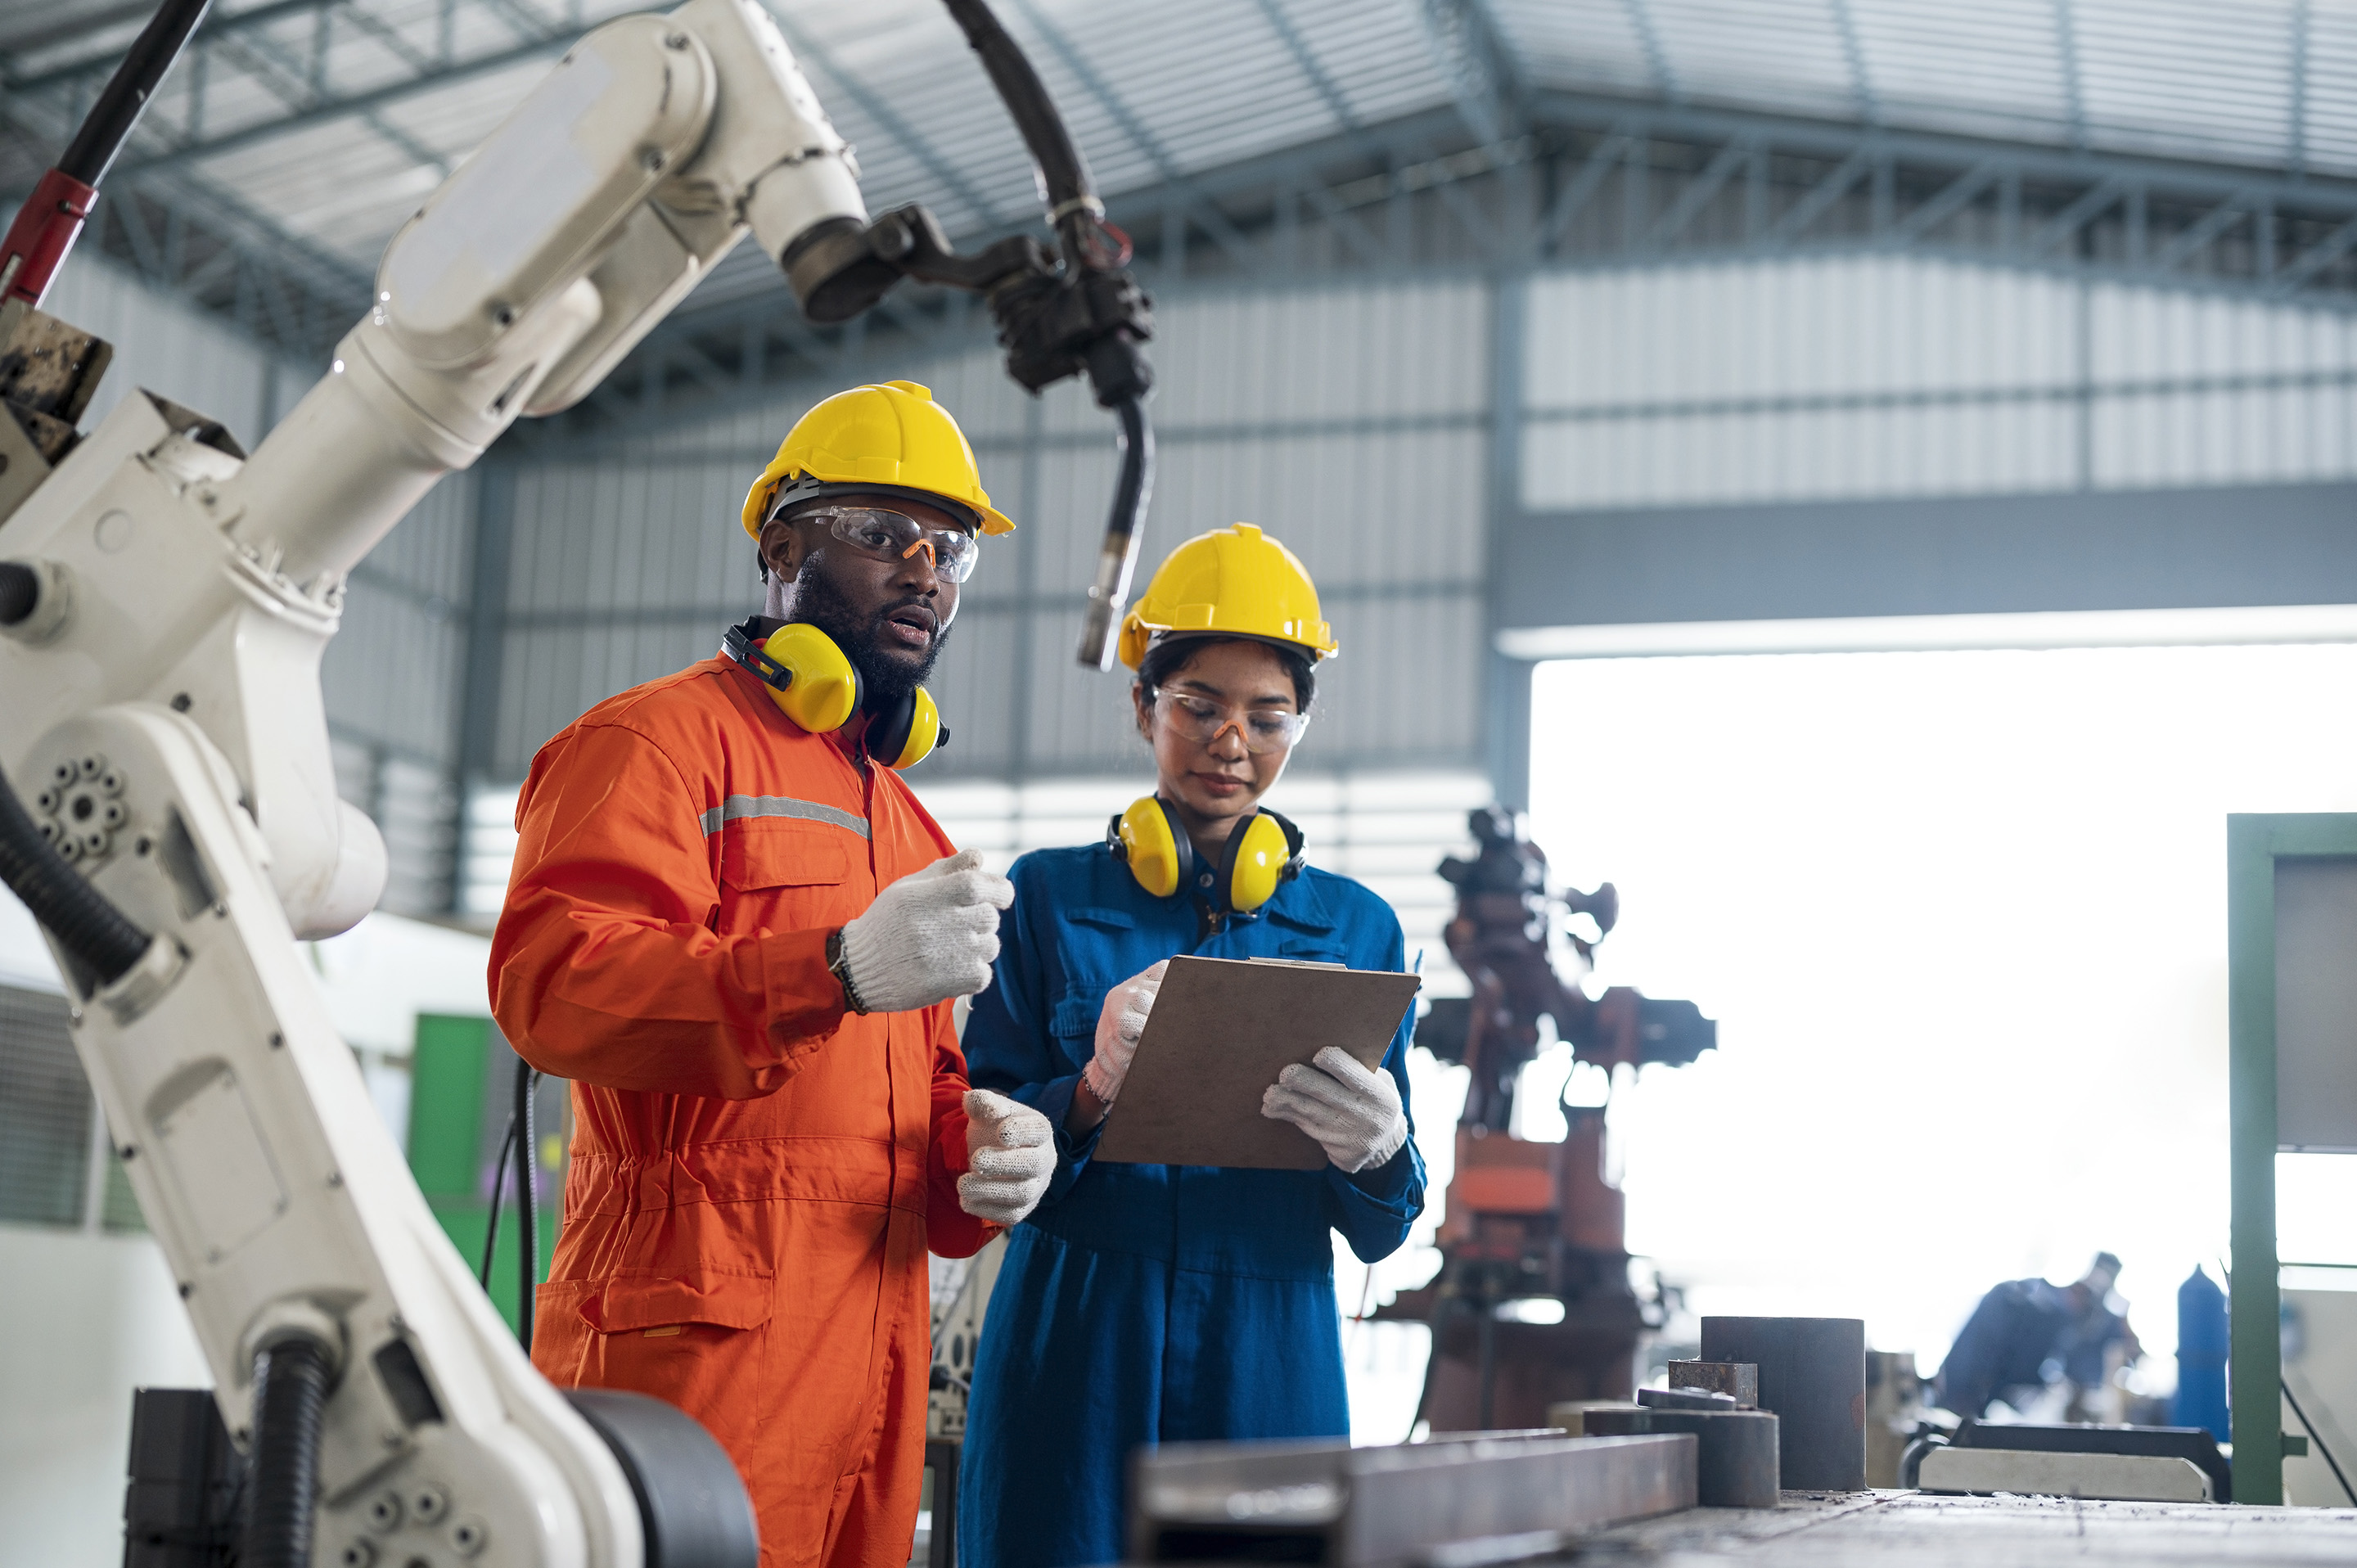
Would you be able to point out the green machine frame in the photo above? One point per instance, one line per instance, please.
(2255, 846)
(457, 1116)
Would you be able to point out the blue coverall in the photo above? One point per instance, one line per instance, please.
(1146, 1304)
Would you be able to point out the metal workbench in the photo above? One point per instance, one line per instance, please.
(1915, 1529)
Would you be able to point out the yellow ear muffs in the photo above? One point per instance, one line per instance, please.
(1146, 839)
(814, 685)
(808, 676)
(1260, 856)
(911, 732)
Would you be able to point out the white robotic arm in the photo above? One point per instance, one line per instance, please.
(165, 601)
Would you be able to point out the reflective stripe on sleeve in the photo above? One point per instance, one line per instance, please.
(740, 806)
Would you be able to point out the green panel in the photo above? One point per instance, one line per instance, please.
(463, 1223)
(446, 1105)
(2253, 845)
(2255, 1349)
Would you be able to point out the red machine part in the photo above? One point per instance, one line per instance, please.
(44, 232)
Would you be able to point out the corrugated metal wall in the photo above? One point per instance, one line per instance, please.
(1350, 422)
(1882, 376)
(393, 674)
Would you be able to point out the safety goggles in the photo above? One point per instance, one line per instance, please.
(895, 536)
(1202, 720)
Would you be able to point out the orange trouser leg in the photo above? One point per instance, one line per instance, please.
(874, 1514)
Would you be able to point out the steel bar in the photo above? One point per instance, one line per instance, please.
(1391, 1508)
(1736, 1465)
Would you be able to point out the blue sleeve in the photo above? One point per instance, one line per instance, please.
(1375, 1208)
(1008, 1045)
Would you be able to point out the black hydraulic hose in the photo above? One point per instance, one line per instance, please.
(290, 1403)
(108, 125)
(86, 923)
(1117, 557)
(527, 1204)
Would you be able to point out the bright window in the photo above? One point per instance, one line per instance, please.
(1961, 918)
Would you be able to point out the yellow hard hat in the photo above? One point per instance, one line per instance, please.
(889, 438)
(1237, 582)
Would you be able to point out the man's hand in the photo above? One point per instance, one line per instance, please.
(928, 936)
(1011, 1155)
(1353, 1113)
(1120, 1023)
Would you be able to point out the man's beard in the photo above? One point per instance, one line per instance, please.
(884, 679)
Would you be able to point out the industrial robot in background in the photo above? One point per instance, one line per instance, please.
(170, 811)
(1527, 1220)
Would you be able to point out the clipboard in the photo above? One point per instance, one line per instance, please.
(1220, 1031)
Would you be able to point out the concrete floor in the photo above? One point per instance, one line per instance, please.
(1853, 1530)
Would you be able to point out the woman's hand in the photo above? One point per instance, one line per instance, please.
(1353, 1113)
(1010, 1158)
(1122, 1019)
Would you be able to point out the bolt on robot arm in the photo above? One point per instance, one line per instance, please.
(174, 825)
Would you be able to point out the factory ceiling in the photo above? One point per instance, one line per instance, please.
(297, 134)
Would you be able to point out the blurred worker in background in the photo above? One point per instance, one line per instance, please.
(735, 929)
(2028, 1334)
(1153, 1304)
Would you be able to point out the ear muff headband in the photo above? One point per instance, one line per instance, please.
(819, 688)
(1261, 856)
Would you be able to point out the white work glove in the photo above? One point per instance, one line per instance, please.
(928, 936)
(1353, 1113)
(1118, 1026)
(1011, 1153)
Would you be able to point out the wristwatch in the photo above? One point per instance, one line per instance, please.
(838, 967)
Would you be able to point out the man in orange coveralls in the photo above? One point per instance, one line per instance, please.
(733, 927)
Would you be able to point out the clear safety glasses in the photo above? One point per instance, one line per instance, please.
(1201, 720)
(895, 536)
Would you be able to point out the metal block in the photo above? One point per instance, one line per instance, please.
(1735, 1466)
(1813, 1375)
(2119, 1477)
(1686, 1398)
(1738, 1379)
(1570, 1417)
(2188, 1443)
(1390, 1508)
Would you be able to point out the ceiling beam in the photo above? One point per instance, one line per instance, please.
(1861, 78)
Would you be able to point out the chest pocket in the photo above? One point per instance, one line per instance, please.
(778, 874)
(1312, 950)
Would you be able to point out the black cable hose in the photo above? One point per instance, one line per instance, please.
(527, 1204)
(1117, 556)
(498, 1191)
(1062, 171)
(2318, 1438)
(290, 1403)
(102, 937)
(108, 125)
(20, 591)
(1137, 486)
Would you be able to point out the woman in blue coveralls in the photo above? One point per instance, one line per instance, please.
(1158, 1303)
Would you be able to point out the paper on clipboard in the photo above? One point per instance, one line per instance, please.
(1220, 1031)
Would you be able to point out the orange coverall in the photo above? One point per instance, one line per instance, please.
(757, 1174)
